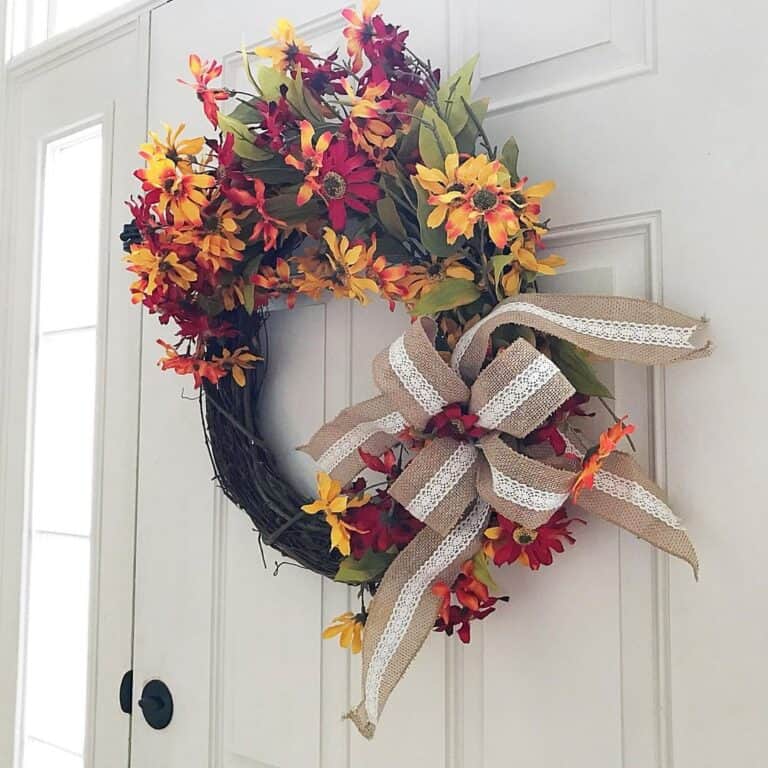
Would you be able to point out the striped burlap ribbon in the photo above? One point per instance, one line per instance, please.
(452, 484)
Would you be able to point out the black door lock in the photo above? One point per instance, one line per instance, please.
(156, 704)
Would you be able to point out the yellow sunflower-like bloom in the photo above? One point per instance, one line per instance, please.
(423, 278)
(525, 260)
(478, 190)
(182, 152)
(180, 190)
(350, 264)
(237, 361)
(349, 628)
(155, 269)
(289, 48)
(217, 238)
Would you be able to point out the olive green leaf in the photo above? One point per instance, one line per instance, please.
(509, 154)
(436, 141)
(467, 137)
(453, 94)
(369, 568)
(572, 361)
(390, 218)
(447, 294)
(244, 146)
(433, 239)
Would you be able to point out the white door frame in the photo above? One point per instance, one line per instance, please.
(113, 534)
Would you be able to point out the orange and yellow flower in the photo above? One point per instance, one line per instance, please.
(216, 238)
(424, 277)
(276, 281)
(237, 361)
(359, 30)
(594, 459)
(368, 130)
(183, 152)
(477, 190)
(525, 260)
(349, 628)
(181, 191)
(185, 364)
(311, 161)
(155, 269)
(289, 49)
(390, 278)
(350, 262)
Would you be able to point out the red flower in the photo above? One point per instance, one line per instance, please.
(386, 464)
(204, 72)
(266, 227)
(596, 456)
(346, 181)
(381, 525)
(509, 542)
(454, 422)
(475, 603)
(550, 431)
(184, 364)
(276, 116)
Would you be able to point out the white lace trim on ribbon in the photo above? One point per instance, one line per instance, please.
(412, 379)
(629, 491)
(634, 493)
(525, 495)
(393, 424)
(448, 550)
(524, 386)
(443, 481)
(610, 330)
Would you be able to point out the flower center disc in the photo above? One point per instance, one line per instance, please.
(334, 185)
(484, 200)
(524, 535)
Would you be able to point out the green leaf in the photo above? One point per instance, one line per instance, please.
(436, 141)
(467, 138)
(271, 81)
(409, 142)
(498, 262)
(447, 294)
(509, 154)
(284, 207)
(369, 568)
(572, 361)
(433, 239)
(390, 218)
(244, 146)
(453, 93)
(249, 296)
(481, 572)
(272, 171)
(246, 112)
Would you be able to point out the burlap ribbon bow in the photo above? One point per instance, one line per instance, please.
(452, 484)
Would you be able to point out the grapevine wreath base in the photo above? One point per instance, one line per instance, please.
(372, 175)
(246, 470)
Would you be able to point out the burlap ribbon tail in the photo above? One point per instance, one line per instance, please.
(452, 485)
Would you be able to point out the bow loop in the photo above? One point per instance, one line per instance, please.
(518, 390)
(414, 378)
(438, 484)
(518, 487)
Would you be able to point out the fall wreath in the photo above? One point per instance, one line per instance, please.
(367, 174)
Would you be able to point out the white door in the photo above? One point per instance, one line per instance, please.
(648, 117)
(69, 387)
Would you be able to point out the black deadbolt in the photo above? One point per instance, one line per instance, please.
(156, 703)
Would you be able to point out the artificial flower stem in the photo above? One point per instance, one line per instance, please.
(484, 140)
(616, 418)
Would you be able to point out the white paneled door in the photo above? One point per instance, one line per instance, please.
(649, 117)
